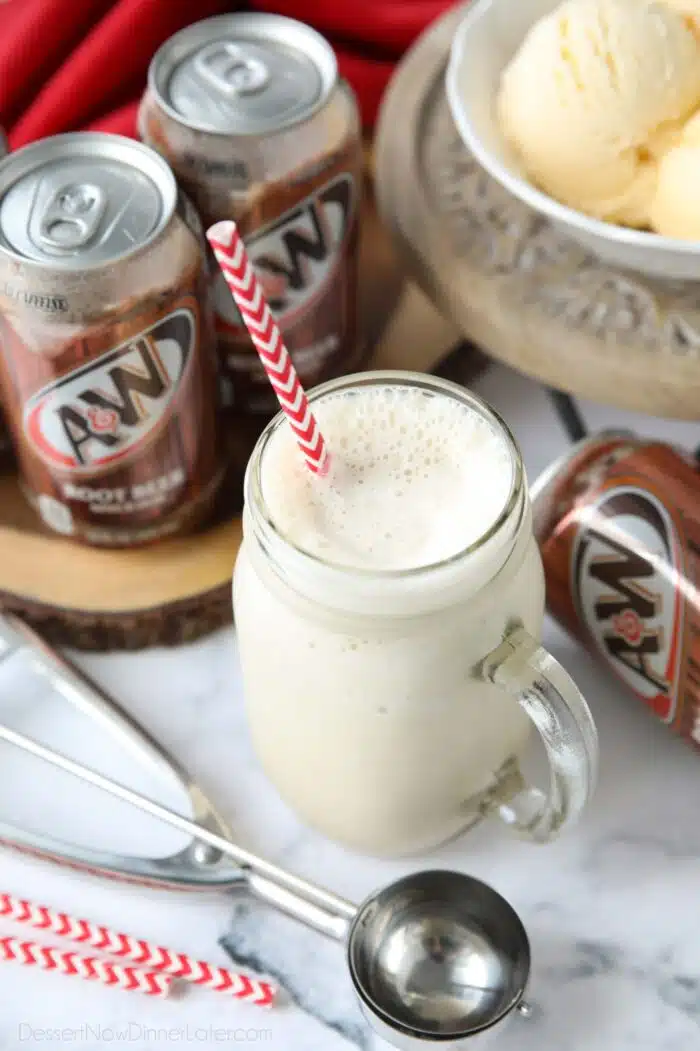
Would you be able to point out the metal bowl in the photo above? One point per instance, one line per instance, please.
(486, 40)
(437, 956)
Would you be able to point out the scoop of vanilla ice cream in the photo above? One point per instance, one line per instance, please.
(597, 93)
(675, 207)
(689, 8)
(691, 131)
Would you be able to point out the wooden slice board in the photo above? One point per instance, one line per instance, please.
(178, 590)
(515, 286)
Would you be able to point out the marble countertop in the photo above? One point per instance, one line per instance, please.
(611, 909)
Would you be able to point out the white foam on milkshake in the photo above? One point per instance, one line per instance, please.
(417, 478)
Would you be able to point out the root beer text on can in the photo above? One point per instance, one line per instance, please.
(107, 356)
(618, 523)
(249, 112)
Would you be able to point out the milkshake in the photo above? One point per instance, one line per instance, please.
(367, 602)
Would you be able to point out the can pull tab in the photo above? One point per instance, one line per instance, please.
(72, 217)
(231, 70)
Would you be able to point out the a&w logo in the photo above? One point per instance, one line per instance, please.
(102, 413)
(625, 564)
(295, 256)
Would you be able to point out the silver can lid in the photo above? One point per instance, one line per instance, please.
(243, 74)
(4, 148)
(83, 200)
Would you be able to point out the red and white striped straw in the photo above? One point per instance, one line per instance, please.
(124, 946)
(264, 331)
(91, 968)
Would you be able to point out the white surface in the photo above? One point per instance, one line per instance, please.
(487, 38)
(611, 909)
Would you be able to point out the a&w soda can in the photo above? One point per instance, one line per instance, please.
(249, 112)
(107, 358)
(618, 523)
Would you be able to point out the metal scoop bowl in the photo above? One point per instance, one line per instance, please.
(437, 957)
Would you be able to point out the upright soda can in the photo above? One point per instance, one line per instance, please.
(249, 112)
(107, 357)
(618, 523)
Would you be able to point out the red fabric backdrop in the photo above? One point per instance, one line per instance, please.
(72, 64)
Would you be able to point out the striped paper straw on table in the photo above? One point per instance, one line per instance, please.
(124, 946)
(91, 968)
(264, 331)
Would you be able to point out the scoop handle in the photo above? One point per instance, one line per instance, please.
(86, 697)
(184, 870)
(312, 905)
(553, 702)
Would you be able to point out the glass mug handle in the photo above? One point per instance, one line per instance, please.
(550, 697)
